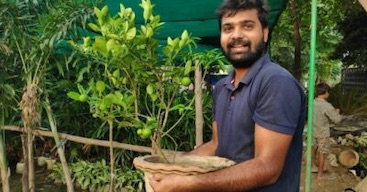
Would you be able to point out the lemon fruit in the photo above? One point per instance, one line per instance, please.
(186, 81)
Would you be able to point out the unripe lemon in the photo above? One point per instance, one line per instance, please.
(139, 131)
(146, 132)
(186, 81)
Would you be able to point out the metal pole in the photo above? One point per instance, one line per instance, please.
(311, 93)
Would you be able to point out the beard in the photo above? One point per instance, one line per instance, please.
(244, 59)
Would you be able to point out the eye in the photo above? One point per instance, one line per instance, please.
(227, 28)
(248, 26)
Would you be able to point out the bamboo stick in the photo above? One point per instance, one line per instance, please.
(43, 132)
(60, 151)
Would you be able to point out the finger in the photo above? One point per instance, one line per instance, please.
(153, 184)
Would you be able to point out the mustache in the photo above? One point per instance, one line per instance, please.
(239, 41)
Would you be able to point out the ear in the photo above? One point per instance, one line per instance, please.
(266, 34)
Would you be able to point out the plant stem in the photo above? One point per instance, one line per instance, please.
(199, 119)
(157, 149)
(112, 162)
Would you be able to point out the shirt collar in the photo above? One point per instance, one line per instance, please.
(254, 69)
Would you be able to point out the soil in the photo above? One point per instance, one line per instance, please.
(340, 177)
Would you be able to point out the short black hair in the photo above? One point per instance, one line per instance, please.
(321, 89)
(233, 6)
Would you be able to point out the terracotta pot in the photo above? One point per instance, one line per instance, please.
(349, 158)
(179, 164)
(362, 186)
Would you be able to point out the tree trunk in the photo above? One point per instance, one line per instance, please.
(25, 181)
(199, 119)
(5, 171)
(30, 117)
(297, 67)
(30, 161)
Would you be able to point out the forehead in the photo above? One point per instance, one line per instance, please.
(240, 16)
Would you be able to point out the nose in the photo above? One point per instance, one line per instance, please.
(237, 33)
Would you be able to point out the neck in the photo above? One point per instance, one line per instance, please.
(240, 73)
(321, 97)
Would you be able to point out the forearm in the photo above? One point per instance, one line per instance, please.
(248, 175)
(204, 149)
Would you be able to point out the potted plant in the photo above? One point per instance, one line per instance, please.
(142, 77)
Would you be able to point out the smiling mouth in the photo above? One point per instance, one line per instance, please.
(239, 48)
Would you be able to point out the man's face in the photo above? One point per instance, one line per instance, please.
(243, 40)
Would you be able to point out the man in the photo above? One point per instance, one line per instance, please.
(324, 115)
(258, 113)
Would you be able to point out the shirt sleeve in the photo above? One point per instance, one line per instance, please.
(332, 114)
(280, 104)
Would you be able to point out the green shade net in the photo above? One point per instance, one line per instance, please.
(196, 16)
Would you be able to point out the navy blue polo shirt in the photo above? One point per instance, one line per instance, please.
(269, 96)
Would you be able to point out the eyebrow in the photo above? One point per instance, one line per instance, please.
(241, 22)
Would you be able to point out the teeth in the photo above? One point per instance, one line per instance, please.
(238, 46)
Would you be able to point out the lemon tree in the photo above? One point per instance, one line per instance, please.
(142, 77)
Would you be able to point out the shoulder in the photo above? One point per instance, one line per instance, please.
(323, 102)
(272, 70)
(274, 75)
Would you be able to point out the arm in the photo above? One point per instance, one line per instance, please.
(264, 169)
(333, 114)
(207, 148)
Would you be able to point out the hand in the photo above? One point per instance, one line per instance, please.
(166, 183)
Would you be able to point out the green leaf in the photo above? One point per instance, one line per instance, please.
(86, 41)
(74, 95)
(94, 27)
(131, 34)
(169, 41)
(177, 107)
(104, 11)
(113, 36)
(185, 35)
(147, 7)
(110, 45)
(188, 66)
(154, 97)
(80, 88)
(150, 89)
(100, 86)
(149, 32)
(86, 182)
(100, 46)
(116, 73)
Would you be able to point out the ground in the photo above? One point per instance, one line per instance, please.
(342, 178)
